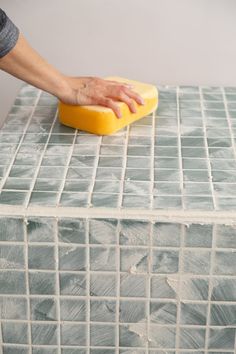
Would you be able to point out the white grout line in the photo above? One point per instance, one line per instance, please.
(87, 274)
(212, 264)
(179, 150)
(95, 167)
(179, 216)
(118, 274)
(26, 270)
(178, 297)
(207, 153)
(66, 166)
(57, 297)
(148, 285)
(229, 122)
(122, 179)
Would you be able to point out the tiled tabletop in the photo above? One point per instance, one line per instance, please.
(182, 157)
(122, 244)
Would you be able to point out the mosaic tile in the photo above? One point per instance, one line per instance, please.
(92, 242)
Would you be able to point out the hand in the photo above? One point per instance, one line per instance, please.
(97, 91)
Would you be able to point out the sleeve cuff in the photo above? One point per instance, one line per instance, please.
(8, 37)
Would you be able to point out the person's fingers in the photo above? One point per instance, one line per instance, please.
(135, 96)
(130, 102)
(108, 102)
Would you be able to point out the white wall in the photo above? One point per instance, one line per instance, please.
(157, 41)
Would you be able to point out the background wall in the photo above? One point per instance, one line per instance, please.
(157, 41)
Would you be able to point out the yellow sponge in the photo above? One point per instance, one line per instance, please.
(102, 120)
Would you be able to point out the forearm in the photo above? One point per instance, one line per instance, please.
(26, 64)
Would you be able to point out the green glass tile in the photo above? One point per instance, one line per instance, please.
(102, 231)
(72, 258)
(41, 283)
(166, 175)
(137, 187)
(223, 289)
(41, 229)
(45, 111)
(114, 150)
(72, 284)
(43, 184)
(165, 261)
(136, 201)
(22, 171)
(26, 159)
(102, 335)
(54, 149)
(106, 186)
(162, 337)
(194, 164)
(73, 334)
(35, 138)
(222, 338)
(132, 311)
(99, 254)
(197, 235)
(195, 176)
(51, 172)
(61, 139)
(13, 198)
(139, 150)
(103, 284)
(44, 350)
(43, 309)
(136, 141)
(134, 232)
(130, 261)
(44, 334)
(168, 202)
(194, 288)
(166, 163)
(192, 188)
(11, 229)
(54, 161)
(109, 173)
(192, 338)
(162, 188)
(79, 173)
(166, 151)
(82, 161)
(163, 312)
(161, 287)
(12, 282)
(193, 314)
(13, 308)
(226, 203)
(43, 198)
(70, 199)
(133, 285)
(196, 152)
(73, 310)
(17, 183)
(196, 263)
(220, 164)
(72, 230)
(12, 257)
(133, 161)
(130, 338)
(102, 310)
(222, 315)
(10, 138)
(137, 174)
(225, 263)
(226, 236)
(165, 234)
(15, 333)
(104, 200)
(41, 257)
(221, 153)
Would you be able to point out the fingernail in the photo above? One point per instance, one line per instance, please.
(142, 101)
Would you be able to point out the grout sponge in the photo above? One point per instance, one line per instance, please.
(102, 120)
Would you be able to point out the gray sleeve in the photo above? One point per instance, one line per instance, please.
(9, 34)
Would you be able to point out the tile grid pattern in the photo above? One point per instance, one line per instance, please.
(151, 287)
(156, 268)
(193, 148)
